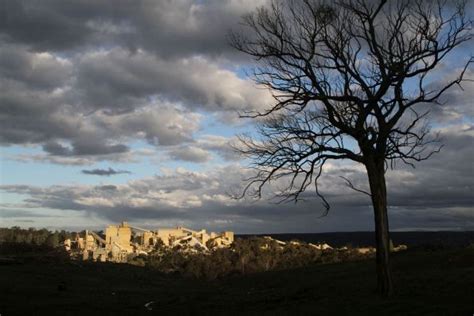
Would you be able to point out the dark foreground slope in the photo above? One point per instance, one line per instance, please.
(428, 283)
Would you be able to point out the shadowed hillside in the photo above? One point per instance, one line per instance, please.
(427, 283)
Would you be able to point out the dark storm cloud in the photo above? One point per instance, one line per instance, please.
(31, 113)
(83, 147)
(445, 180)
(81, 78)
(31, 96)
(39, 104)
(37, 71)
(168, 28)
(104, 172)
(118, 80)
(42, 25)
(23, 121)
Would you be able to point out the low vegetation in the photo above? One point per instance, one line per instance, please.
(245, 256)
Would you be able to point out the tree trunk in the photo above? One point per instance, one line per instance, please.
(376, 174)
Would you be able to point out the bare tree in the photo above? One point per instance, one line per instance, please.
(348, 78)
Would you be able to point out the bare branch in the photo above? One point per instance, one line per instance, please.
(350, 185)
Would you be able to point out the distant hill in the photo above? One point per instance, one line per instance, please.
(364, 239)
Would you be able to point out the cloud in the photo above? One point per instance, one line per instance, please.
(198, 27)
(104, 172)
(223, 146)
(417, 197)
(43, 26)
(202, 148)
(456, 103)
(96, 102)
(83, 146)
(18, 213)
(132, 156)
(32, 116)
(190, 153)
(36, 70)
(84, 80)
(118, 79)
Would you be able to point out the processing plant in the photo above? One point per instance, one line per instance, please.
(123, 241)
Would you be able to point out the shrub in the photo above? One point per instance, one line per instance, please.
(245, 256)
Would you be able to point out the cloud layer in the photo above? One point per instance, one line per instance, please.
(437, 195)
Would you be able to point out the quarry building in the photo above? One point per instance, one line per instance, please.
(120, 242)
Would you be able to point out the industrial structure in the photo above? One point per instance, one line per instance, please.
(124, 241)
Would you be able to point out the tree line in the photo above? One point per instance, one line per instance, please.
(34, 237)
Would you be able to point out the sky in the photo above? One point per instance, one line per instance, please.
(125, 110)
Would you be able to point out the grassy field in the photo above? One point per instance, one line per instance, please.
(428, 283)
